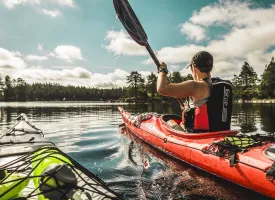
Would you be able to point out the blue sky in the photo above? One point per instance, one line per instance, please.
(80, 41)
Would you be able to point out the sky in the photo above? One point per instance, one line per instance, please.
(81, 42)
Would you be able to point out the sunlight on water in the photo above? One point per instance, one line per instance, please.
(89, 133)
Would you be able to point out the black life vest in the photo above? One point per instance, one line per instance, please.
(217, 111)
(219, 105)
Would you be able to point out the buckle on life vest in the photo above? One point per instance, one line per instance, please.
(270, 172)
(164, 140)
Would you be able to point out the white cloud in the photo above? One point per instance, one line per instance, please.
(122, 44)
(52, 13)
(39, 74)
(37, 58)
(118, 74)
(250, 37)
(241, 41)
(175, 55)
(10, 4)
(40, 47)
(235, 13)
(114, 79)
(258, 59)
(194, 32)
(77, 76)
(11, 60)
(226, 68)
(67, 53)
(144, 74)
(68, 3)
(16, 53)
(222, 69)
(174, 67)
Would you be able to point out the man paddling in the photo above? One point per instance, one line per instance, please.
(209, 100)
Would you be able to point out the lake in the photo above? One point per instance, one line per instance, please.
(89, 133)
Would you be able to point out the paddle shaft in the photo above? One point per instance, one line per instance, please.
(136, 31)
(153, 55)
(155, 59)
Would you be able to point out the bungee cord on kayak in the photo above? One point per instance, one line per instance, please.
(39, 170)
(231, 145)
(55, 176)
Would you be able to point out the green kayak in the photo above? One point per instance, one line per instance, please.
(31, 167)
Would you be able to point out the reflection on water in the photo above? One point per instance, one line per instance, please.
(89, 132)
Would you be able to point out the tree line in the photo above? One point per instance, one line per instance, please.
(138, 89)
(19, 90)
(246, 86)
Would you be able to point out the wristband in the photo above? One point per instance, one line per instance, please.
(165, 70)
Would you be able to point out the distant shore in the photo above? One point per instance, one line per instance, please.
(123, 101)
(256, 101)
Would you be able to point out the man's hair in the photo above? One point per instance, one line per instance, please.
(203, 60)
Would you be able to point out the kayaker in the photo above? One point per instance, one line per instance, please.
(209, 100)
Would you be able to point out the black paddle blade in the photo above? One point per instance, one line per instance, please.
(130, 21)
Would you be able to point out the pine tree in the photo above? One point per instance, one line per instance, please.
(187, 77)
(248, 76)
(8, 89)
(268, 79)
(2, 86)
(152, 84)
(245, 84)
(176, 77)
(20, 89)
(135, 80)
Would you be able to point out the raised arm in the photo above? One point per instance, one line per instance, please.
(178, 90)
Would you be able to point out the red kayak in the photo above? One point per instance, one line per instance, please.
(245, 160)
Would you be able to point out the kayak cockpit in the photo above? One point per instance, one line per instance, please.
(171, 123)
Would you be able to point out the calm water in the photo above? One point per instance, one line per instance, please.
(89, 133)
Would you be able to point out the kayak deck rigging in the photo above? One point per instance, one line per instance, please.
(31, 167)
(87, 185)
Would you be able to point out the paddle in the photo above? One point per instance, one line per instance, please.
(132, 25)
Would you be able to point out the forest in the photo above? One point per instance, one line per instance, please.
(247, 85)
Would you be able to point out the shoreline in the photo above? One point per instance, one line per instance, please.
(124, 102)
(256, 101)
